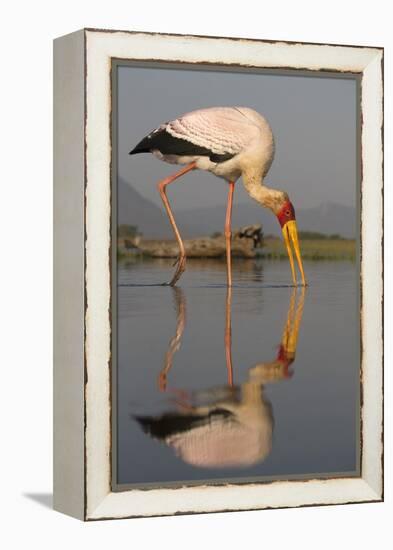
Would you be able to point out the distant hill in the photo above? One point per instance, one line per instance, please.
(327, 218)
(152, 221)
(133, 209)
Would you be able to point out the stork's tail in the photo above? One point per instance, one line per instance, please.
(143, 146)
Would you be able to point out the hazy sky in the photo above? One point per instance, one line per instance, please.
(313, 120)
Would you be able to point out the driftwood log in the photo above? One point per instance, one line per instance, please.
(245, 240)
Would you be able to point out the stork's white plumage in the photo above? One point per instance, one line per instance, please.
(229, 142)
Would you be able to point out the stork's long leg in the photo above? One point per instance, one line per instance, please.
(175, 342)
(181, 263)
(228, 233)
(228, 336)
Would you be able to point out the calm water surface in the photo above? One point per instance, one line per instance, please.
(261, 382)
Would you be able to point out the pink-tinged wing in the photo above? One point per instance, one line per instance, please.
(219, 129)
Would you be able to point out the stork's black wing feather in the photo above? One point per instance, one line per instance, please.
(173, 423)
(163, 141)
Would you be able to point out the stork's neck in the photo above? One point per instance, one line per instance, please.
(255, 187)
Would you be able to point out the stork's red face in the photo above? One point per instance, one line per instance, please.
(286, 213)
(287, 220)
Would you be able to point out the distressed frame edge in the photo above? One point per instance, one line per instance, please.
(235, 38)
(372, 485)
(358, 492)
(69, 274)
(372, 271)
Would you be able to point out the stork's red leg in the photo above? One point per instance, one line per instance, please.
(174, 344)
(181, 263)
(228, 233)
(228, 336)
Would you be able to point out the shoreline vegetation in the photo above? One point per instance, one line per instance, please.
(313, 249)
(247, 242)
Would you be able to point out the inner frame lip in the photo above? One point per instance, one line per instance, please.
(162, 64)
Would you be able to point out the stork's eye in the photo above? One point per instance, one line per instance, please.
(288, 213)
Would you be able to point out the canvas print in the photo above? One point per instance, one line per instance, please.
(235, 230)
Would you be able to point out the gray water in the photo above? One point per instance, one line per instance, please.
(287, 412)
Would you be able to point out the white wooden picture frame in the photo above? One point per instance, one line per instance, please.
(82, 334)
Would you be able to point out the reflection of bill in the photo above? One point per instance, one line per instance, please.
(232, 425)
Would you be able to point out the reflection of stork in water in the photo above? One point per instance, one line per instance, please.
(227, 426)
(229, 142)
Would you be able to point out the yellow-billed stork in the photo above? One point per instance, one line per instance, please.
(229, 142)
